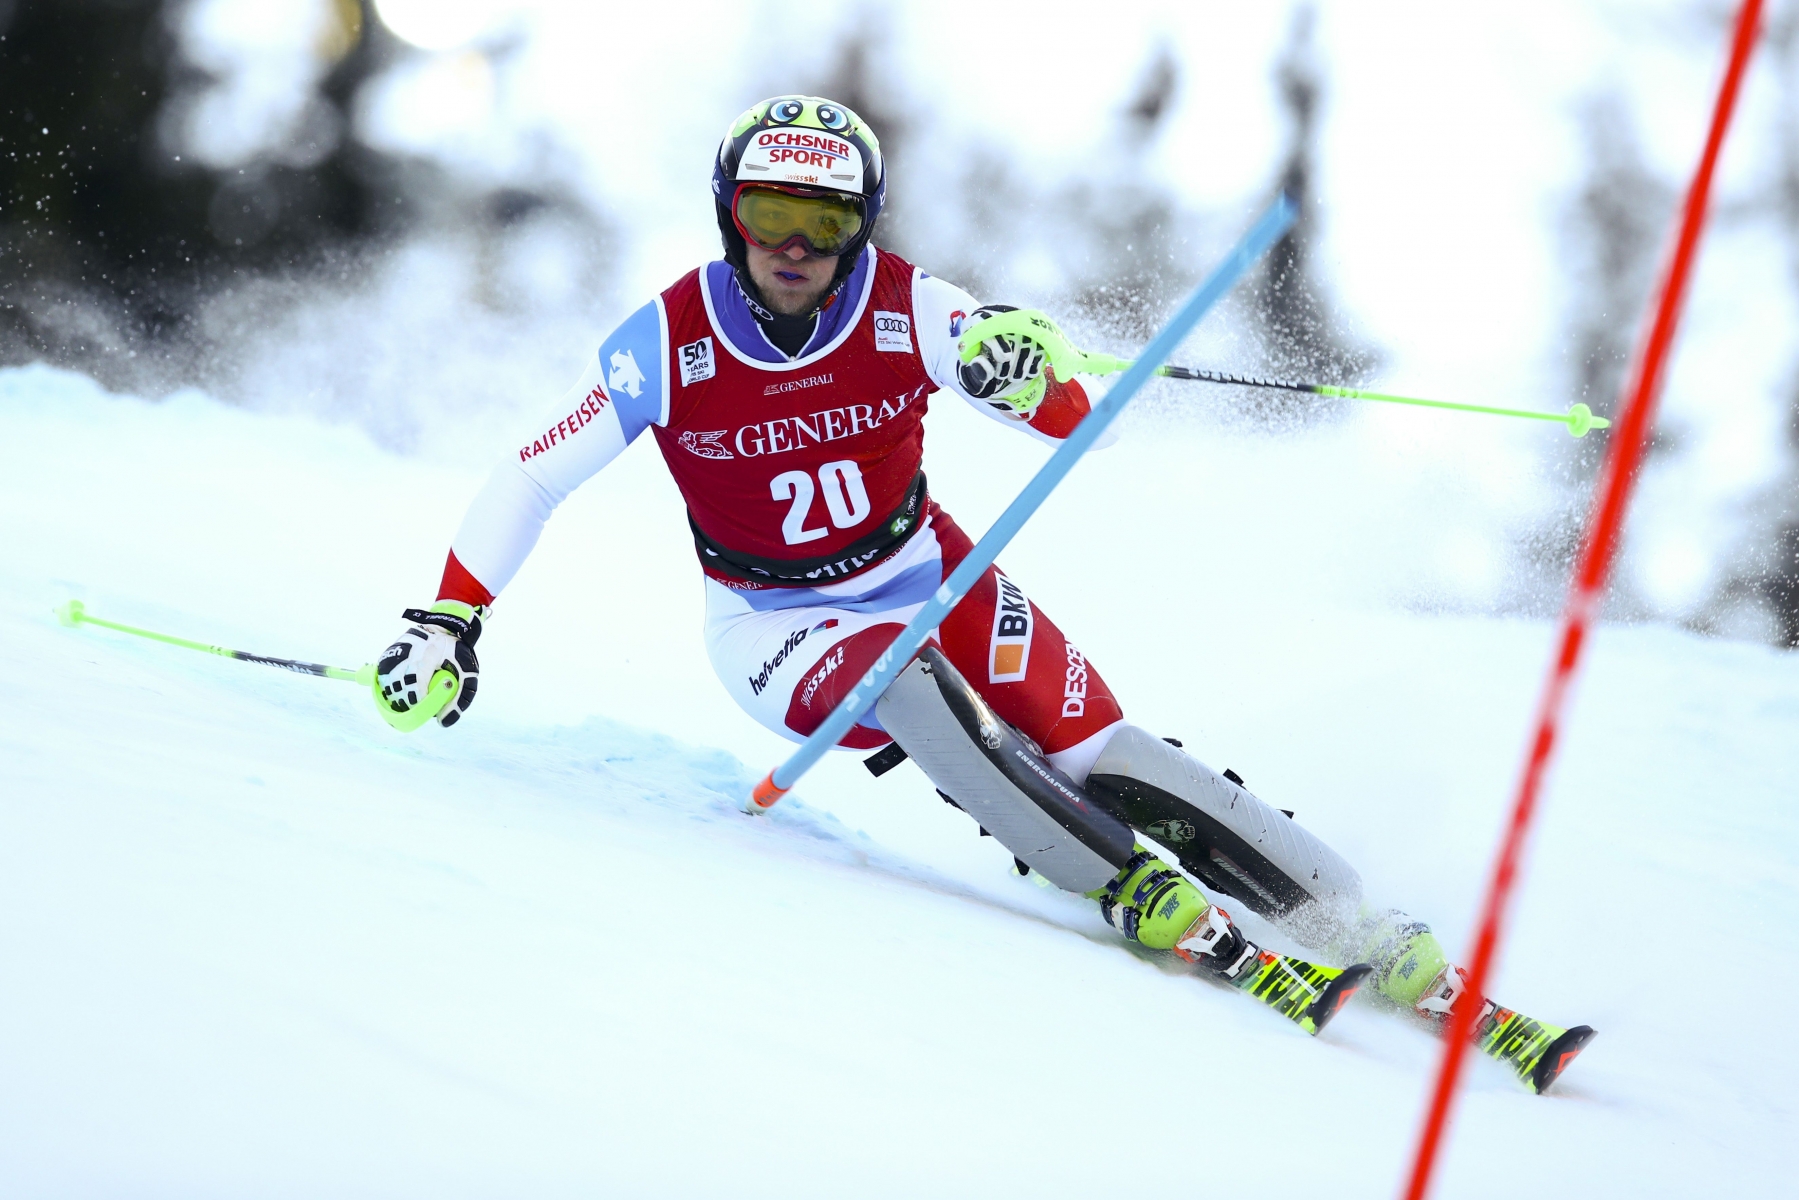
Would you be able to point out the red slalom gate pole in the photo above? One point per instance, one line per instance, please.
(1604, 524)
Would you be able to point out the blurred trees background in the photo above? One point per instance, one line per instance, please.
(175, 190)
(1613, 240)
(114, 225)
(169, 216)
(1773, 570)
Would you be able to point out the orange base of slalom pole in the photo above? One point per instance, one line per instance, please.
(767, 794)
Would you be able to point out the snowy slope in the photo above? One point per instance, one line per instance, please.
(255, 944)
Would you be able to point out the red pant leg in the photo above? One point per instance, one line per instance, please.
(1004, 645)
(1017, 659)
(816, 696)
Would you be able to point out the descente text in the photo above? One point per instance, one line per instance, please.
(1074, 683)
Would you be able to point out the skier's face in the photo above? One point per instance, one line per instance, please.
(791, 280)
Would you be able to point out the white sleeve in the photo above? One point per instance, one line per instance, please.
(575, 440)
(621, 394)
(939, 311)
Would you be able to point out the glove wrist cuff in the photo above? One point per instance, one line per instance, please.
(461, 621)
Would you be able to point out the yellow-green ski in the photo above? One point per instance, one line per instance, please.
(1305, 993)
(1536, 1052)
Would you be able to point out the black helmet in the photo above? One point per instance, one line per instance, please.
(802, 143)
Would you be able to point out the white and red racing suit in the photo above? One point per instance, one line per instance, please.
(810, 511)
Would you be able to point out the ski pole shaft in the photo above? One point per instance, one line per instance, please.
(1267, 229)
(1579, 418)
(1068, 360)
(75, 613)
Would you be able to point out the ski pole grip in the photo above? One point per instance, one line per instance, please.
(1063, 355)
(443, 689)
(1030, 323)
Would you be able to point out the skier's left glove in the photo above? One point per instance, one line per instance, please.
(1006, 369)
(439, 643)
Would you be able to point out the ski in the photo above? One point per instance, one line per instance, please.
(1536, 1052)
(1305, 993)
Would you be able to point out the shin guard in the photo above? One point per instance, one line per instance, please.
(1233, 842)
(999, 779)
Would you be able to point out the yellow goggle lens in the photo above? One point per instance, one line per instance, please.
(772, 219)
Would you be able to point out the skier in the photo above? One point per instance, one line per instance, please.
(786, 386)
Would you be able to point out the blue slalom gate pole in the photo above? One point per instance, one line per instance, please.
(1267, 230)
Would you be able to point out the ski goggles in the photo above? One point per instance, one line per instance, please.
(774, 218)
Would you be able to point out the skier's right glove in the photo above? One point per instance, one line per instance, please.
(430, 670)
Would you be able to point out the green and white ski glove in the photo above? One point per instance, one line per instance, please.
(430, 671)
(1005, 369)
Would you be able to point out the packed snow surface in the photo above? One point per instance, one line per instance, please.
(254, 943)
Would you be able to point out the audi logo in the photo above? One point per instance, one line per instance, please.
(893, 325)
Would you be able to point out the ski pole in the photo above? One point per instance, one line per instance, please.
(778, 782)
(443, 684)
(75, 613)
(1579, 418)
(1067, 360)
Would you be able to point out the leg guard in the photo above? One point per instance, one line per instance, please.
(999, 779)
(1232, 841)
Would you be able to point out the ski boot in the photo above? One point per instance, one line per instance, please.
(1151, 903)
(1411, 970)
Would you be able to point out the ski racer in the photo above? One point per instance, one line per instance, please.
(785, 385)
